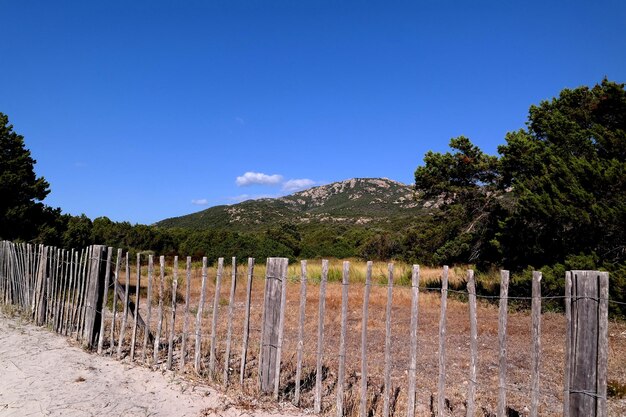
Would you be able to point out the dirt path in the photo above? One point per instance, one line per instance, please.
(42, 374)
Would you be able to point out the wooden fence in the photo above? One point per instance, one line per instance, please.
(90, 295)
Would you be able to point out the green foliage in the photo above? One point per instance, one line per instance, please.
(22, 215)
(568, 173)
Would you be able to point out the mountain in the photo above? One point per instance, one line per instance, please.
(379, 202)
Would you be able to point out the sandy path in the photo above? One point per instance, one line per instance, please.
(42, 374)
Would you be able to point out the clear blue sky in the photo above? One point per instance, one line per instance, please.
(145, 110)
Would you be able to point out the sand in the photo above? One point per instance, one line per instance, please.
(43, 374)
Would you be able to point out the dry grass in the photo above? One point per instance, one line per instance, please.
(457, 356)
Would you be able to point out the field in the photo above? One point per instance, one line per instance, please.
(457, 341)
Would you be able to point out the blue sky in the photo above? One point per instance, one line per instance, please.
(145, 110)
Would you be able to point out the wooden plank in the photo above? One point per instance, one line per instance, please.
(83, 292)
(137, 304)
(48, 289)
(603, 343)
(76, 292)
(116, 284)
(536, 344)
(568, 343)
(301, 316)
(441, 388)
(341, 372)
(284, 262)
(183, 348)
(144, 351)
(94, 302)
(198, 349)
(40, 288)
(387, 386)
(471, 386)
(157, 337)
(262, 337)
(69, 290)
(502, 321)
(317, 406)
(271, 344)
(229, 326)
(584, 346)
(246, 322)
(364, 322)
(105, 295)
(415, 292)
(216, 306)
(125, 312)
(170, 344)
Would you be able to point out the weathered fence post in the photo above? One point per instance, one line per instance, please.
(366, 301)
(471, 387)
(536, 347)
(502, 321)
(588, 344)
(303, 275)
(441, 390)
(94, 297)
(342, 340)
(317, 404)
(40, 288)
(388, 311)
(415, 282)
(276, 274)
(246, 323)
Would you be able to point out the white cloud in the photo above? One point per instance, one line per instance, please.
(297, 184)
(200, 202)
(250, 178)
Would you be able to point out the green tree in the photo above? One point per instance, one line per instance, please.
(464, 184)
(21, 212)
(568, 175)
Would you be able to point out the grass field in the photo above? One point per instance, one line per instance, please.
(457, 348)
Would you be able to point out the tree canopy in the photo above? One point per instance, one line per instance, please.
(557, 190)
(22, 213)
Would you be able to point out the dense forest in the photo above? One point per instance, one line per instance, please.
(553, 198)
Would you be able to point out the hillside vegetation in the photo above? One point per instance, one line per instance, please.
(355, 202)
(554, 198)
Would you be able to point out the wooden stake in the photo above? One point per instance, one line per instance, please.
(471, 386)
(183, 348)
(415, 282)
(441, 394)
(170, 345)
(246, 323)
(116, 283)
(364, 321)
(144, 351)
(536, 343)
(137, 303)
(296, 397)
(284, 263)
(157, 338)
(317, 407)
(504, 293)
(125, 312)
(105, 295)
(387, 387)
(341, 373)
(197, 352)
(216, 306)
(231, 306)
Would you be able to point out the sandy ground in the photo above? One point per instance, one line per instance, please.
(43, 374)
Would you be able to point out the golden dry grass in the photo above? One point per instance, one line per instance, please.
(457, 341)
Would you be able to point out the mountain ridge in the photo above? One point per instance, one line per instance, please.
(356, 201)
